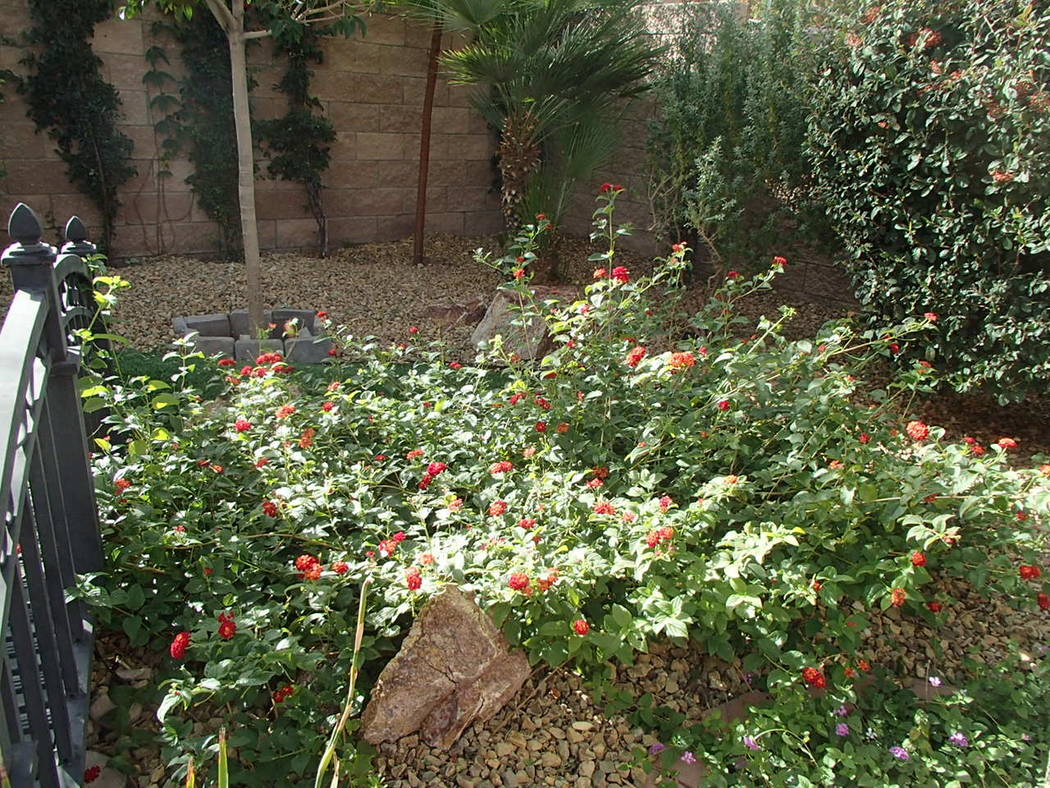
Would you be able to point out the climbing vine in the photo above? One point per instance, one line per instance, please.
(298, 142)
(202, 127)
(68, 98)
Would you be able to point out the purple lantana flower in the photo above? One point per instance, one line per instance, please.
(842, 711)
(688, 757)
(935, 681)
(842, 729)
(751, 743)
(959, 740)
(899, 753)
(655, 748)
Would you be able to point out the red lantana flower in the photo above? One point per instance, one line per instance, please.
(413, 578)
(270, 509)
(621, 274)
(680, 361)
(328, 406)
(519, 581)
(934, 607)
(496, 508)
(581, 627)
(92, 773)
(604, 507)
(658, 536)
(781, 261)
(414, 454)
(1028, 572)
(541, 426)
(724, 405)
(340, 567)
(931, 316)
(814, 677)
(864, 438)
(503, 466)
(917, 430)
(918, 559)
(227, 626)
(124, 484)
(285, 411)
(179, 644)
(1044, 601)
(635, 356)
(898, 597)
(1006, 443)
(527, 523)
(242, 424)
(436, 468)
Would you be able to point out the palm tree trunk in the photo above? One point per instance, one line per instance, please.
(424, 144)
(245, 166)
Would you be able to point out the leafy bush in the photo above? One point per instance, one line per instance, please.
(930, 139)
(726, 147)
(733, 490)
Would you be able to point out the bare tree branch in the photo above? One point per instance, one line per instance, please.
(222, 15)
(256, 34)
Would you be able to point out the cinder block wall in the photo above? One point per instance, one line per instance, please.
(372, 90)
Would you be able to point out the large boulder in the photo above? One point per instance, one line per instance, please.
(530, 341)
(454, 668)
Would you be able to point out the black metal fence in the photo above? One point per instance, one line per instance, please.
(50, 519)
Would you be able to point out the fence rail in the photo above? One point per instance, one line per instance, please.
(50, 518)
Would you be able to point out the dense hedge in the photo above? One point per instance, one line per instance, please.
(930, 140)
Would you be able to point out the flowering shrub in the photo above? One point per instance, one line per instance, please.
(735, 489)
(930, 139)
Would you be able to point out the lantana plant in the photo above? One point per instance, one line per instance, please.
(693, 478)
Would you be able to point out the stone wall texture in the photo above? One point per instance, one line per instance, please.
(371, 88)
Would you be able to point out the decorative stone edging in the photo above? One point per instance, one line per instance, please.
(296, 333)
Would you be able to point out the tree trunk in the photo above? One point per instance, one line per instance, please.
(424, 144)
(245, 166)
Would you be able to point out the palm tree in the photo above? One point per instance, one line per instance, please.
(554, 74)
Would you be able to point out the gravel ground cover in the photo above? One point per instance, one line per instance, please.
(556, 734)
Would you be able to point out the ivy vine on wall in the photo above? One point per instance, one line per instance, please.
(298, 143)
(203, 125)
(68, 98)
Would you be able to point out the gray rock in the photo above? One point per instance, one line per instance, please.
(247, 350)
(180, 327)
(101, 706)
(454, 668)
(216, 325)
(239, 323)
(210, 346)
(308, 349)
(304, 316)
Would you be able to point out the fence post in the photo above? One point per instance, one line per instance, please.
(32, 268)
(31, 262)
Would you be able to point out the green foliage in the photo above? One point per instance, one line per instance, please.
(68, 97)
(733, 492)
(987, 733)
(298, 142)
(930, 139)
(554, 75)
(726, 146)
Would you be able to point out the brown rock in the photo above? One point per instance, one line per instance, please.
(467, 314)
(453, 668)
(529, 341)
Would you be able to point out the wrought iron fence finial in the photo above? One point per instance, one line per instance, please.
(24, 226)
